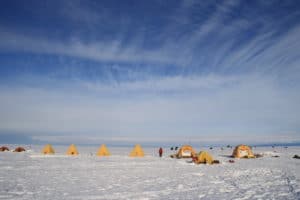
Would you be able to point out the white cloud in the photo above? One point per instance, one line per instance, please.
(97, 50)
(224, 107)
(261, 51)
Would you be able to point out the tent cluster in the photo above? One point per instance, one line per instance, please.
(187, 151)
(203, 157)
(18, 149)
(102, 151)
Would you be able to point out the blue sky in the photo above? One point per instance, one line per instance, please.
(150, 71)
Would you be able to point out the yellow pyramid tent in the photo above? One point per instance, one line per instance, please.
(137, 151)
(242, 151)
(103, 151)
(72, 150)
(48, 149)
(204, 158)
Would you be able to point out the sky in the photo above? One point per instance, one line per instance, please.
(206, 72)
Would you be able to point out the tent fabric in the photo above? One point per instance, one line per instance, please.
(4, 148)
(137, 151)
(242, 151)
(186, 151)
(19, 149)
(204, 158)
(48, 149)
(72, 150)
(103, 151)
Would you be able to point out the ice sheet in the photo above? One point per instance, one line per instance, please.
(31, 175)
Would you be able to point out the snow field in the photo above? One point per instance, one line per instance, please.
(30, 175)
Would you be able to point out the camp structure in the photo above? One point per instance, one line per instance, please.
(186, 151)
(137, 151)
(203, 158)
(19, 149)
(72, 150)
(4, 148)
(103, 151)
(48, 149)
(296, 156)
(242, 151)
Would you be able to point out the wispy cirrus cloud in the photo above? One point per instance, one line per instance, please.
(98, 51)
(215, 106)
(212, 40)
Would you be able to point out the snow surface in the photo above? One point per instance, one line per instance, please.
(31, 175)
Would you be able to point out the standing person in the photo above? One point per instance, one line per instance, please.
(160, 151)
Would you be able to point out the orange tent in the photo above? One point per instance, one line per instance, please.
(242, 151)
(103, 151)
(186, 151)
(48, 149)
(137, 151)
(204, 158)
(72, 150)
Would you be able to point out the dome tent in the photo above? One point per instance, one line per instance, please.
(4, 148)
(19, 149)
(242, 151)
(186, 151)
(204, 158)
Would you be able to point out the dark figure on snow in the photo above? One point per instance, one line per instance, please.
(160, 151)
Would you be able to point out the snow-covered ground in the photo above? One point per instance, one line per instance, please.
(31, 175)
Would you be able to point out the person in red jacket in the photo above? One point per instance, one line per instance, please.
(160, 151)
